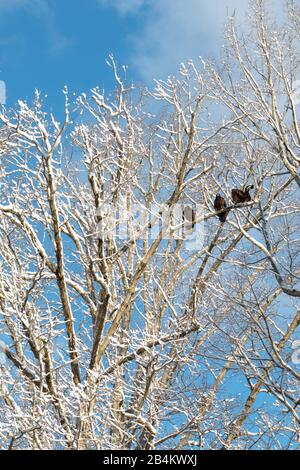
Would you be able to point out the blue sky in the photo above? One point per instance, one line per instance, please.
(46, 44)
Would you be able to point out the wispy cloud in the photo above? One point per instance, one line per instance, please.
(123, 6)
(11, 4)
(177, 30)
(34, 5)
(43, 11)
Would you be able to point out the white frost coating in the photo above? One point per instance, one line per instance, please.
(141, 339)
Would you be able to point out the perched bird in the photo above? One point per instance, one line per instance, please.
(246, 192)
(220, 204)
(241, 195)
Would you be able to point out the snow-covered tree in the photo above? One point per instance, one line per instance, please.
(131, 318)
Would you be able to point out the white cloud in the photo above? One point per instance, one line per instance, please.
(12, 4)
(178, 30)
(43, 12)
(123, 6)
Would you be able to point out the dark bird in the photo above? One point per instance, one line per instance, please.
(241, 195)
(220, 204)
(246, 192)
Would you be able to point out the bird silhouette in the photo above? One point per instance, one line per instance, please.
(220, 204)
(241, 195)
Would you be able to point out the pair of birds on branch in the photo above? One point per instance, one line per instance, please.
(238, 196)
